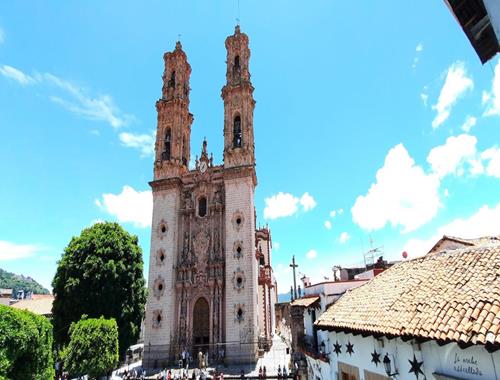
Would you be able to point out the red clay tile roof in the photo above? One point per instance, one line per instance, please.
(463, 243)
(449, 296)
(305, 301)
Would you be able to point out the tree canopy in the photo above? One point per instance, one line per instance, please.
(92, 348)
(100, 274)
(25, 345)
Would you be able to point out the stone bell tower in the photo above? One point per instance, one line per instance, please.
(174, 119)
(238, 103)
(171, 163)
(239, 183)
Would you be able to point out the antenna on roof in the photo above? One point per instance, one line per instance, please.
(369, 256)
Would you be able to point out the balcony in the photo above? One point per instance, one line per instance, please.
(265, 275)
(307, 346)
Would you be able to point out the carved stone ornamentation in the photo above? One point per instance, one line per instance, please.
(238, 249)
(160, 257)
(157, 318)
(201, 243)
(159, 287)
(162, 229)
(238, 279)
(238, 220)
(239, 312)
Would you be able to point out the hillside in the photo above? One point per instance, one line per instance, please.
(19, 282)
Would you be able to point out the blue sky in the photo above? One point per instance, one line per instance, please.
(373, 121)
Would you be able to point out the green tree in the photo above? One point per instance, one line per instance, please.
(25, 345)
(92, 348)
(100, 274)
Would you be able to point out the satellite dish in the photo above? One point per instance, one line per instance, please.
(405, 255)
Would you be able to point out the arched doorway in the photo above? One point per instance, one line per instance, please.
(201, 325)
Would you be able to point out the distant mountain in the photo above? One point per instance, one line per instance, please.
(284, 297)
(19, 282)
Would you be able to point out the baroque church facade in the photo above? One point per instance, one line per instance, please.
(211, 286)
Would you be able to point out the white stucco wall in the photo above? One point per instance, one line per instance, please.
(449, 360)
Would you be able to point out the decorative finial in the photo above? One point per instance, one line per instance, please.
(237, 27)
(204, 145)
(178, 45)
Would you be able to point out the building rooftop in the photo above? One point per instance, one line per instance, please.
(40, 306)
(476, 23)
(305, 301)
(5, 292)
(449, 296)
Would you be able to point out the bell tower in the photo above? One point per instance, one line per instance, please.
(238, 103)
(174, 119)
(241, 270)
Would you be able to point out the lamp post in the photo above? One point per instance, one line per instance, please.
(387, 366)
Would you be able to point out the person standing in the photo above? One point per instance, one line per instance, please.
(200, 359)
(184, 358)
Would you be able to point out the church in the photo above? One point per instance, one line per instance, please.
(211, 285)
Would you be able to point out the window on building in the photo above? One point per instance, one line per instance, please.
(237, 132)
(236, 68)
(166, 151)
(202, 206)
(184, 152)
(171, 82)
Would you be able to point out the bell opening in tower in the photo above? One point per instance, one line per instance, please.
(166, 150)
(237, 132)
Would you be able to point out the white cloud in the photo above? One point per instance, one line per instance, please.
(285, 204)
(100, 108)
(469, 122)
(276, 246)
(13, 251)
(446, 193)
(340, 211)
(450, 157)
(17, 75)
(75, 99)
(144, 143)
(492, 99)
(328, 225)
(456, 84)
(311, 254)
(418, 51)
(2, 36)
(280, 205)
(307, 202)
(333, 213)
(484, 222)
(403, 195)
(344, 237)
(130, 206)
(424, 95)
(492, 155)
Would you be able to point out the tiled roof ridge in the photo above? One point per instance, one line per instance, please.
(453, 295)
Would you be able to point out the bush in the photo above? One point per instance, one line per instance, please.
(93, 347)
(25, 345)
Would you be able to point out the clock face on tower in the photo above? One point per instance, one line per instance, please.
(203, 166)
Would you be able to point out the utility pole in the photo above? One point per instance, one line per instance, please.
(293, 266)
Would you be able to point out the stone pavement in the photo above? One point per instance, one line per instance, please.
(277, 356)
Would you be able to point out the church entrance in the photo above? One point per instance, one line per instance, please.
(201, 325)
